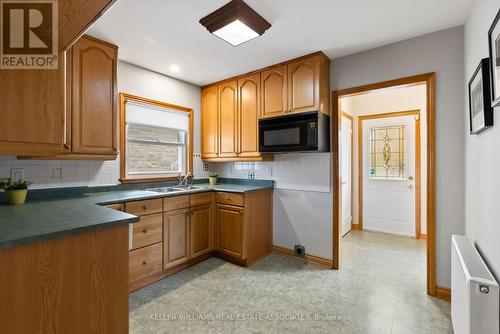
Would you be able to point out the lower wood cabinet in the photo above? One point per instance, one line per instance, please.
(144, 262)
(178, 231)
(176, 237)
(244, 226)
(230, 230)
(201, 230)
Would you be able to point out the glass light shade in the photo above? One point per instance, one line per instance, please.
(236, 33)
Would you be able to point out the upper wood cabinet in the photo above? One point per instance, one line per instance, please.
(248, 112)
(93, 97)
(303, 85)
(209, 121)
(231, 109)
(32, 101)
(228, 119)
(274, 92)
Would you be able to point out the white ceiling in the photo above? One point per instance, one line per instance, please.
(165, 36)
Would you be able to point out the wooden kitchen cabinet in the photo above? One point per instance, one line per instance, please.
(274, 92)
(71, 284)
(201, 230)
(209, 122)
(32, 100)
(230, 230)
(303, 85)
(228, 119)
(93, 97)
(176, 237)
(248, 112)
(244, 226)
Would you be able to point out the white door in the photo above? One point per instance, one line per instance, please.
(389, 175)
(345, 174)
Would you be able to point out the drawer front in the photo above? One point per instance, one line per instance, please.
(175, 202)
(145, 261)
(201, 199)
(148, 231)
(230, 199)
(118, 206)
(147, 207)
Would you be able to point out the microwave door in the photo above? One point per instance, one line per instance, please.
(284, 137)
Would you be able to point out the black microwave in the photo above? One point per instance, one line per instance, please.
(304, 132)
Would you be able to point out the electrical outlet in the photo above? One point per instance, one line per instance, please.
(17, 173)
(56, 173)
(205, 167)
(251, 175)
(197, 155)
(299, 250)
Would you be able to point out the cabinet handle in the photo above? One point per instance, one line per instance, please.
(144, 263)
(144, 207)
(144, 231)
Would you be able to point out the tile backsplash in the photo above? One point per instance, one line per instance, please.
(300, 171)
(70, 173)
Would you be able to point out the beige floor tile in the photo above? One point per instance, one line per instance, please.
(381, 288)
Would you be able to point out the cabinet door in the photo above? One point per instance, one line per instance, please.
(249, 111)
(274, 92)
(209, 122)
(94, 99)
(230, 230)
(201, 230)
(175, 238)
(228, 119)
(303, 85)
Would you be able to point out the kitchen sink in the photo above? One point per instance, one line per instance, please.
(173, 189)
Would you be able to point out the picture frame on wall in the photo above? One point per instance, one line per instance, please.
(494, 49)
(480, 109)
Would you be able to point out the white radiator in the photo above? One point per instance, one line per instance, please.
(474, 291)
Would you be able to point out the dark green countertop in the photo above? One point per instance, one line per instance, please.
(54, 213)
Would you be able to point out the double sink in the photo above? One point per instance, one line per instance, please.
(179, 189)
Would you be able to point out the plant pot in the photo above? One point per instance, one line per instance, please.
(212, 180)
(15, 197)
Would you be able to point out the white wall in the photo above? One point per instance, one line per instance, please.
(386, 101)
(133, 80)
(302, 201)
(440, 52)
(482, 196)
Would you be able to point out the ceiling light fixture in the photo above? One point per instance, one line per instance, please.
(174, 68)
(235, 23)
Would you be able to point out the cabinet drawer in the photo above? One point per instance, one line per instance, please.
(201, 199)
(230, 199)
(145, 261)
(175, 202)
(146, 207)
(148, 231)
(118, 206)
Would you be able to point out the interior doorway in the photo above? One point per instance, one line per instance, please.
(389, 168)
(407, 123)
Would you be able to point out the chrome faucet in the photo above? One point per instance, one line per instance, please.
(184, 179)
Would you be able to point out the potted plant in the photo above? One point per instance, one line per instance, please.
(212, 177)
(16, 190)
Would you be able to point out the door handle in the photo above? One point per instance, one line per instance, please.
(410, 186)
